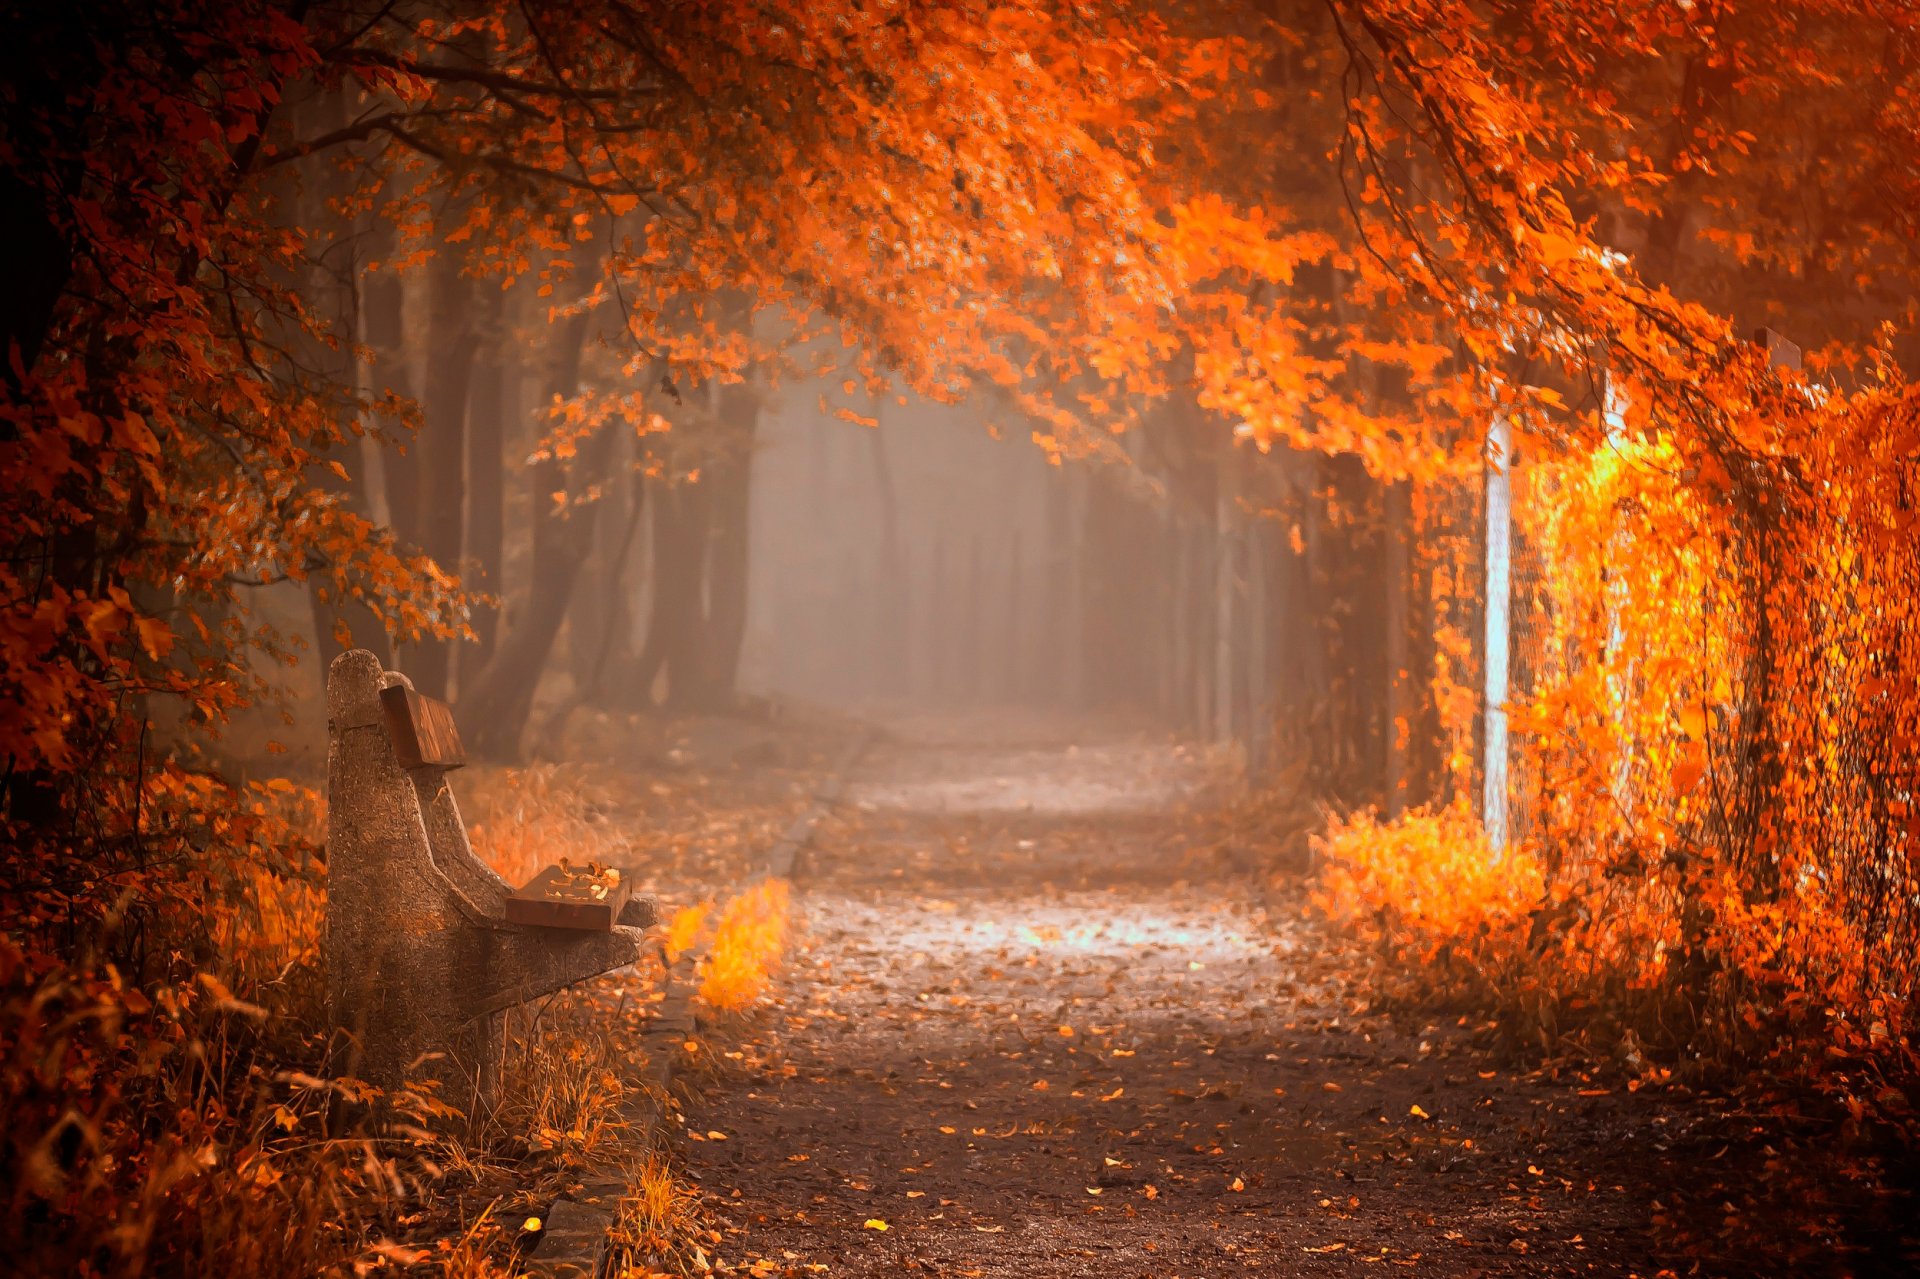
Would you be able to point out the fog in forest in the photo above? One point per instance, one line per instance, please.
(916, 563)
(812, 541)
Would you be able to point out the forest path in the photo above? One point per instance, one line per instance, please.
(1033, 1033)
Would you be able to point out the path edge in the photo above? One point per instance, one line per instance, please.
(576, 1242)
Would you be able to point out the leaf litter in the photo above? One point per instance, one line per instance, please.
(1228, 1100)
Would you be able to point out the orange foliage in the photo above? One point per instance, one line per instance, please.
(179, 414)
(685, 928)
(1365, 226)
(225, 1045)
(1717, 859)
(1425, 882)
(748, 942)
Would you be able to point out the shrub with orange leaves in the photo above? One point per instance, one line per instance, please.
(179, 1123)
(1711, 782)
(748, 942)
(685, 928)
(1424, 881)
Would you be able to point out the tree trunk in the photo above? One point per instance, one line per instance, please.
(677, 629)
(728, 546)
(891, 593)
(40, 261)
(1401, 711)
(383, 321)
(615, 631)
(698, 619)
(1013, 682)
(498, 705)
(495, 396)
(597, 619)
(593, 655)
(332, 288)
(443, 446)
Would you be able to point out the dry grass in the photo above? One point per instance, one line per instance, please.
(169, 1106)
(657, 1220)
(523, 819)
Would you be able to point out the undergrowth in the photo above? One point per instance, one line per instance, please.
(748, 942)
(164, 1079)
(1606, 970)
(1710, 867)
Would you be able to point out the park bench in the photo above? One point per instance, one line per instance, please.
(426, 947)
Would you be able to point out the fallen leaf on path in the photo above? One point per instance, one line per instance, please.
(874, 1223)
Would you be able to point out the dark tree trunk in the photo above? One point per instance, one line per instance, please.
(892, 672)
(443, 446)
(597, 618)
(37, 254)
(727, 549)
(700, 543)
(39, 264)
(500, 701)
(677, 629)
(594, 663)
(496, 394)
(382, 297)
(332, 285)
(618, 623)
(663, 552)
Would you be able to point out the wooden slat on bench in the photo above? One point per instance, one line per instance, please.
(422, 729)
(559, 897)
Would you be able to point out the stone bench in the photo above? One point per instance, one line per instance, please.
(423, 950)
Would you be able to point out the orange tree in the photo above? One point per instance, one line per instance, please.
(948, 184)
(1729, 687)
(1530, 199)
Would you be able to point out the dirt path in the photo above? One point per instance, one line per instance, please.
(1033, 1036)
